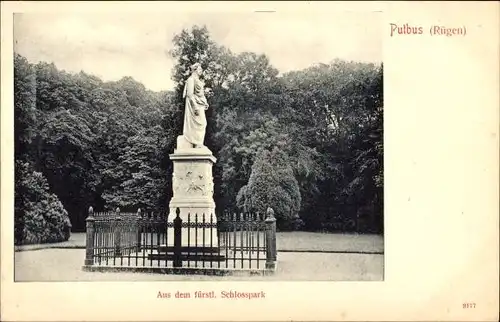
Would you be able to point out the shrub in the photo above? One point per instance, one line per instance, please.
(39, 215)
(272, 184)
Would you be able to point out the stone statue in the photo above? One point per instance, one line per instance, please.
(195, 122)
(192, 180)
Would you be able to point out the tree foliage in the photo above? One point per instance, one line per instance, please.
(313, 138)
(39, 215)
(272, 183)
(96, 143)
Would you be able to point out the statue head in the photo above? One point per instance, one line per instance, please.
(196, 68)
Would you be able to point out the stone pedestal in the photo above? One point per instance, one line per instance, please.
(192, 184)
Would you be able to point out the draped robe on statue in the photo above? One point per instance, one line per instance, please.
(194, 125)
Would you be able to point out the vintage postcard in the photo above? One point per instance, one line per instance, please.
(249, 161)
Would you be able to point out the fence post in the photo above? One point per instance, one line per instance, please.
(177, 239)
(89, 245)
(118, 219)
(139, 230)
(270, 239)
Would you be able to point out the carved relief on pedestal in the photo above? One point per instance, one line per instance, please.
(190, 180)
(194, 184)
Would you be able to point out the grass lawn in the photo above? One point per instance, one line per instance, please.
(307, 241)
(285, 241)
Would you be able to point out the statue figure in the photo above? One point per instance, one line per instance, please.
(195, 122)
(192, 180)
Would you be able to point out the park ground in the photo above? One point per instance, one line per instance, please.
(302, 256)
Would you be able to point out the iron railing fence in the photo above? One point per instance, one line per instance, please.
(232, 242)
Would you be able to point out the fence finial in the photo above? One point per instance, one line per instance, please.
(270, 213)
(139, 210)
(177, 212)
(90, 216)
(117, 209)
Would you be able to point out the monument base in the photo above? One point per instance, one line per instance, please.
(198, 228)
(192, 185)
(196, 254)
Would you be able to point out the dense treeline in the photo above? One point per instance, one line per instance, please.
(309, 142)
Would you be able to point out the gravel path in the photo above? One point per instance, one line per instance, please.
(301, 256)
(66, 265)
